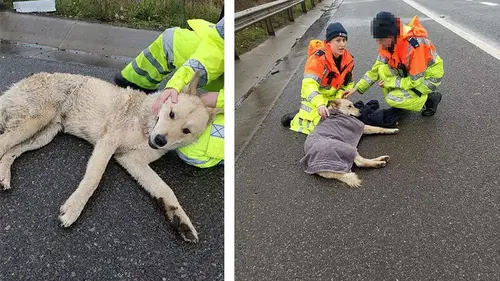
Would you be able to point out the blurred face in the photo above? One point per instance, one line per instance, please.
(337, 45)
(386, 43)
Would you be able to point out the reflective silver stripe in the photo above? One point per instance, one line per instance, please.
(190, 160)
(398, 82)
(367, 79)
(394, 71)
(432, 61)
(314, 77)
(394, 98)
(168, 46)
(154, 62)
(418, 76)
(422, 40)
(406, 94)
(433, 54)
(434, 80)
(143, 73)
(220, 28)
(197, 66)
(408, 50)
(312, 96)
(382, 59)
(217, 131)
(301, 121)
(430, 85)
(304, 107)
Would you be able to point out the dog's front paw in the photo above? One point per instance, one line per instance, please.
(181, 222)
(4, 177)
(186, 229)
(69, 212)
(5, 182)
(395, 131)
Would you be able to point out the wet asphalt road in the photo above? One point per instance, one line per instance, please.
(122, 234)
(432, 214)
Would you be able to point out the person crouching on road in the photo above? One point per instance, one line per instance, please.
(185, 51)
(327, 74)
(408, 68)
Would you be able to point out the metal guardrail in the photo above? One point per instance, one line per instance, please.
(263, 12)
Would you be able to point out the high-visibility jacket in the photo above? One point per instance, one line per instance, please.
(208, 58)
(186, 51)
(415, 64)
(322, 83)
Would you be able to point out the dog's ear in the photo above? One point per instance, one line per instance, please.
(335, 103)
(193, 84)
(212, 113)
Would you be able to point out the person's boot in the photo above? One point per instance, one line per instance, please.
(287, 119)
(124, 83)
(431, 104)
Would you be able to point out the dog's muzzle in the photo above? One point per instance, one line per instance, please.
(158, 141)
(151, 144)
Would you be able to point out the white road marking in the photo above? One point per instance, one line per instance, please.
(489, 3)
(478, 42)
(360, 1)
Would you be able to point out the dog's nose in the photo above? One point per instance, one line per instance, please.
(160, 140)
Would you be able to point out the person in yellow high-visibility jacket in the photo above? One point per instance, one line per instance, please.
(186, 51)
(327, 74)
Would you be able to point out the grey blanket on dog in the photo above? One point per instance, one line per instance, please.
(332, 146)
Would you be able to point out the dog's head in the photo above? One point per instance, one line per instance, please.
(182, 123)
(346, 107)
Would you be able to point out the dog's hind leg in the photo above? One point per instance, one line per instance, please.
(40, 139)
(351, 179)
(73, 207)
(25, 129)
(378, 162)
(155, 186)
(371, 130)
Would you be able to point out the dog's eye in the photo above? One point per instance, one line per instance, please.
(172, 115)
(186, 131)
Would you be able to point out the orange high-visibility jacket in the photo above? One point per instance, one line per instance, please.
(414, 62)
(322, 81)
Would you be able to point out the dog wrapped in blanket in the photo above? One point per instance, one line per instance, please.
(331, 149)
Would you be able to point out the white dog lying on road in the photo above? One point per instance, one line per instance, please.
(118, 122)
(331, 149)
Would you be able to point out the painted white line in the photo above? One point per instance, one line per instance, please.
(488, 48)
(359, 2)
(489, 3)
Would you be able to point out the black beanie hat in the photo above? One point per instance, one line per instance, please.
(335, 30)
(385, 25)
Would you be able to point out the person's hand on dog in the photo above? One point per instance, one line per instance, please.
(348, 93)
(323, 111)
(170, 92)
(381, 83)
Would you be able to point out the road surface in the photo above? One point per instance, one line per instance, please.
(122, 234)
(432, 214)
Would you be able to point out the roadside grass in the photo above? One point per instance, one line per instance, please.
(142, 14)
